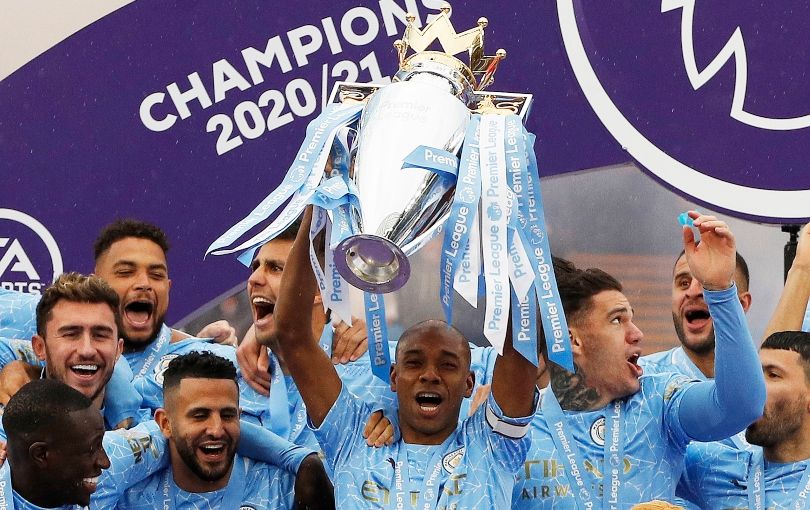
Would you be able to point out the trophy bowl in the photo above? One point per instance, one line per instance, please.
(399, 203)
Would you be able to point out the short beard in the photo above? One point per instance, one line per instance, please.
(140, 345)
(770, 430)
(186, 453)
(704, 347)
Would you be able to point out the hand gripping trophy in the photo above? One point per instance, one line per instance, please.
(390, 167)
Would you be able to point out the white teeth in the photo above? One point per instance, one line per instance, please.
(85, 367)
(260, 300)
(93, 480)
(433, 395)
(427, 408)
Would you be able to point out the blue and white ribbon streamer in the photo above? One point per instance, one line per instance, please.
(462, 217)
(494, 222)
(300, 182)
(377, 335)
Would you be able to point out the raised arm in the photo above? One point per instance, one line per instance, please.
(309, 366)
(789, 312)
(717, 409)
(513, 381)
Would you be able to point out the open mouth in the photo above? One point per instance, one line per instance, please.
(139, 312)
(85, 369)
(696, 318)
(633, 362)
(213, 451)
(428, 402)
(696, 315)
(90, 484)
(262, 307)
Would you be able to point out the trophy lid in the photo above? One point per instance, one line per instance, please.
(476, 76)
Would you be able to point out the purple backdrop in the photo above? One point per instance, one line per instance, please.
(89, 130)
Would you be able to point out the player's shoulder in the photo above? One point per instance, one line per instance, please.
(662, 384)
(658, 359)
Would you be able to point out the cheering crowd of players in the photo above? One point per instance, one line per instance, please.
(107, 407)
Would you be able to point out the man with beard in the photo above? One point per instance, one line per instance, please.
(775, 475)
(611, 435)
(693, 323)
(201, 423)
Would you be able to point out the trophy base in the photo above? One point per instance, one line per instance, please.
(372, 263)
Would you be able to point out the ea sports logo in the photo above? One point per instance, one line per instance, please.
(29, 256)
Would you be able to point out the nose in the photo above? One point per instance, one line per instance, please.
(634, 334)
(214, 426)
(85, 347)
(429, 375)
(142, 281)
(102, 460)
(256, 278)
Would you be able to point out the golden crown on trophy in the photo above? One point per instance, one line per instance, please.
(481, 69)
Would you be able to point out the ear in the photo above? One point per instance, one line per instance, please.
(745, 301)
(576, 340)
(120, 349)
(38, 452)
(318, 299)
(38, 344)
(470, 383)
(393, 376)
(162, 419)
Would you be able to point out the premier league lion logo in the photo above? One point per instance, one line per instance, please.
(709, 97)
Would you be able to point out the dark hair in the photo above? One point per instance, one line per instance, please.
(193, 365)
(796, 341)
(319, 241)
(577, 286)
(289, 233)
(741, 266)
(76, 288)
(433, 325)
(40, 405)
(123, 228)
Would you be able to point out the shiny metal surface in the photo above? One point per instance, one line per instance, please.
(399, 204)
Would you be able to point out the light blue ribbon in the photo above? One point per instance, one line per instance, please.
(319, 132)
(462, 214)
(555, 327)
(377, 331)
(435, 160)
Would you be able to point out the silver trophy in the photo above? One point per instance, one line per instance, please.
(429, 103)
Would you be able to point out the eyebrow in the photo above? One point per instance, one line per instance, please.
(257, 263)
(682, 274)
(621, 309)
(211, 409)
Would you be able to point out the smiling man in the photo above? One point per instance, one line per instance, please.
(77, 333)
(61, 457)
(201, 423)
